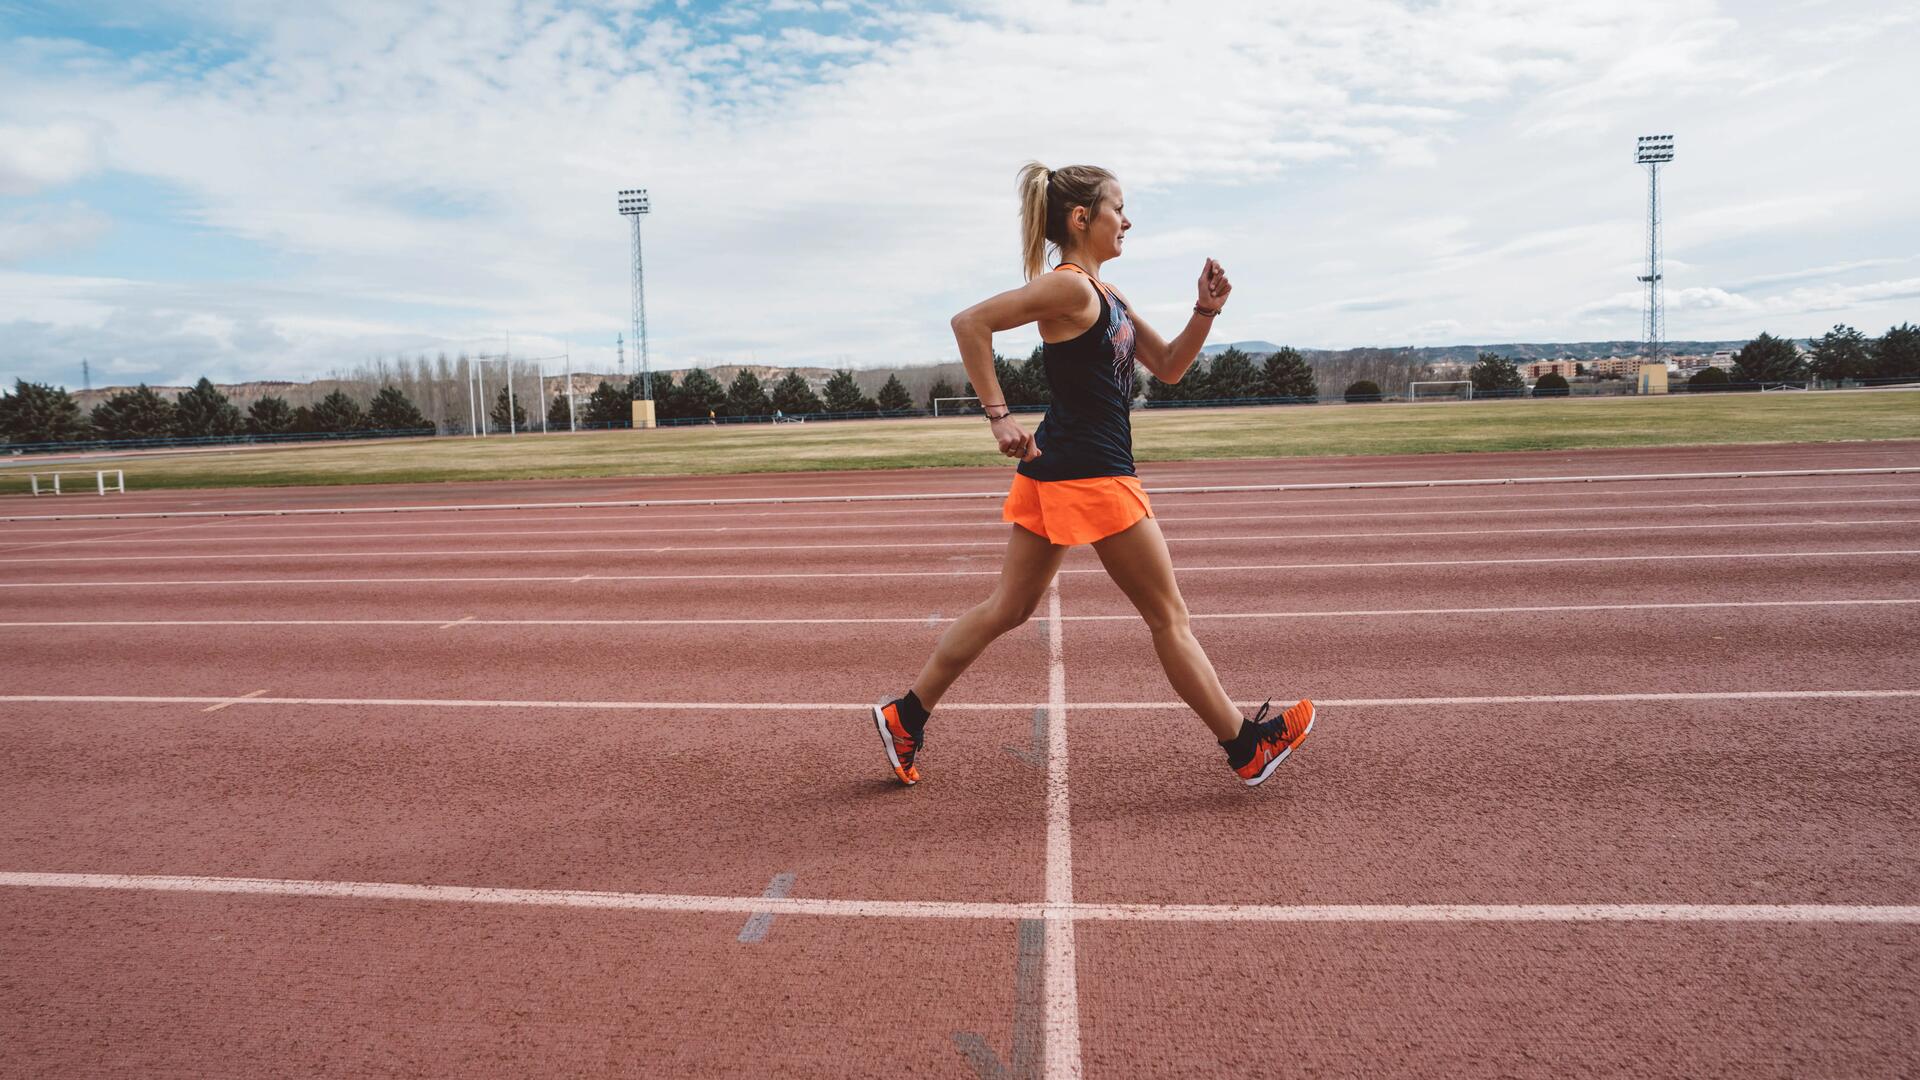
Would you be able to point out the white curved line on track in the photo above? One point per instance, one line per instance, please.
(1024, 707)
(942, 545)
(924, 526)
(939, 909)
(994, 572)
(475, 621)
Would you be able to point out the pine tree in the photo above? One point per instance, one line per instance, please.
(559, 413)
(941, 388)
(138, 413)
(337, 413)
(746, 397)
(392, 410)
(792, 396)
(499, 416)
(36, 412)
(269, 416)
(1841, 353)
(701, 394)
(1231, 377)
(1896, 353)
(1768, 359)
(204, 412)
(842, 393)
(894, 396)
(608, 405)
(1286, 374)
(1033, 377)
(1496, 376)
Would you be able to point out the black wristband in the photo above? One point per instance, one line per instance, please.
(990, 417)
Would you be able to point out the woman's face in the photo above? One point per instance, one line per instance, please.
(1107, 225)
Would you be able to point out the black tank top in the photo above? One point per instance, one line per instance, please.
(1088, 430)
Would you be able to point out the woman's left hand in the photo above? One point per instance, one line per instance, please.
(1214, 285)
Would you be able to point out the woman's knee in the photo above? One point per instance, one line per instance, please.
(1011, 612)
(1167, 618)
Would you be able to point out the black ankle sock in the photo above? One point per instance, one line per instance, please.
(913, 715)
(1240, 748)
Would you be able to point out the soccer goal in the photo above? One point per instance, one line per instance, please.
(957, 407)
(1450, 390)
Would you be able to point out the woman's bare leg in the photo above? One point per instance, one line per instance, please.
(1137, 561)
(1030, 564)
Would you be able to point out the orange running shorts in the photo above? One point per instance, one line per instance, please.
(1069, 512)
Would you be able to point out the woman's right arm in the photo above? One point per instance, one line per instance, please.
(1049, 296)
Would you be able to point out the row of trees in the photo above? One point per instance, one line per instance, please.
(37, 413)
(698, 395)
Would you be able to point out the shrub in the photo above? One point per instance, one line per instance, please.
(1552, 385)
(1707, 380)
(1364, 390)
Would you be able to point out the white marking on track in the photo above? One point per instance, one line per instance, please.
(233, 701)
(842, 574)
(1062, 1021)
(920, 546)
(941, 909)
(996, 493)
(935, 619)
(1018, 708)
(921, 524)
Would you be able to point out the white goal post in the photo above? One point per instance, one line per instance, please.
(951, 408)
(1413, 388)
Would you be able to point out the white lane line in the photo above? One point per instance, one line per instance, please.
(995, 572)
(945, 544)
(999, 492)
(1020, 707)
(233, 701)
(921, 524)
(1894, 914)
(237, 529)
(1062, 1021)
(935, 619)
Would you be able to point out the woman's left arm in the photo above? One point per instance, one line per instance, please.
(1169, 361)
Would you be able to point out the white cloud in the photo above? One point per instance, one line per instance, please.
(34, 157)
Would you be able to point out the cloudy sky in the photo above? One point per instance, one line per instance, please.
(253, 190)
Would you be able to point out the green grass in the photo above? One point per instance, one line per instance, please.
(1173, 435)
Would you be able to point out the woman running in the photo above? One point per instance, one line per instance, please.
(1075, 483)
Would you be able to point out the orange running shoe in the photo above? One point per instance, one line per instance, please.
(1279, 737)
(901, 747)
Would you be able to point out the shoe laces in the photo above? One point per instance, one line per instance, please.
(1259, 720)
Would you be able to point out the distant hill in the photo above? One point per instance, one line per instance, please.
(1261, 347)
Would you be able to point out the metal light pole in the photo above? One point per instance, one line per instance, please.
(633, 206)
(1654, 151)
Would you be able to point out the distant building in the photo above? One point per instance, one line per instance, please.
(1533, 370)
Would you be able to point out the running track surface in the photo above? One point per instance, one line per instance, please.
(1610, 779)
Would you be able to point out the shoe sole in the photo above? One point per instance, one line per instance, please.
(886, 743)
(1313, 713)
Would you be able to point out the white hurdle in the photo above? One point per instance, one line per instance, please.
(99, 482)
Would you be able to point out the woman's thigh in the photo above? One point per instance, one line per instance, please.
(1136, 559)
(1030, 563)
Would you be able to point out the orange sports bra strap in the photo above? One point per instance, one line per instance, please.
(1100, 285)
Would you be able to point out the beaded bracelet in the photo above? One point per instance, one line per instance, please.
(1208, 312)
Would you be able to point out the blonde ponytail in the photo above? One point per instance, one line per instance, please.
(1045, 197)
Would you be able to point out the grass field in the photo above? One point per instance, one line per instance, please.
(1174, 435)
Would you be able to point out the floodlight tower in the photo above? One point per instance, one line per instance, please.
(633, 206)
(1654, 151)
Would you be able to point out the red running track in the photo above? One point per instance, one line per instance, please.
(662, 706)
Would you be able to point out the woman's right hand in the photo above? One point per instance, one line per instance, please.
(1014, 442)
